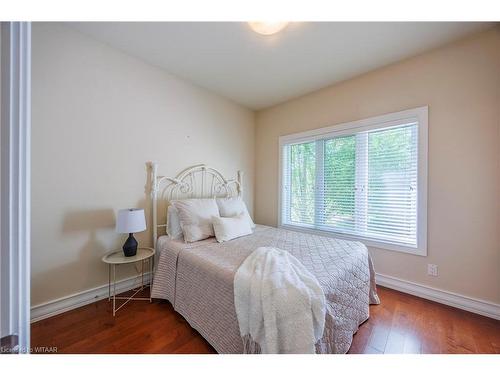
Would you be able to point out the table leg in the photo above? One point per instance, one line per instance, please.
(114, 289)
(151, 263)
(142, 274)
(109, 282)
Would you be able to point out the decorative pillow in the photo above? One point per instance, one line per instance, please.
(196, 218)
(228, 228)
(230, 207)
(174, 229)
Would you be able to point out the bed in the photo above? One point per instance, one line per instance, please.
(197, 278)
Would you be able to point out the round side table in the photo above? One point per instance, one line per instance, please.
(116, 258)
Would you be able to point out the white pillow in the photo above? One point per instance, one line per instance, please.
(174, 229)
(196, 218)
(230, 207)
(228, 228)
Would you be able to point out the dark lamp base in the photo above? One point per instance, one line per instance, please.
(130, 246)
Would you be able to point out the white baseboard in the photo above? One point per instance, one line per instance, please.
(73, 301)
(485, 308)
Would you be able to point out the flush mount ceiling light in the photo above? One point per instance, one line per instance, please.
(267, 28)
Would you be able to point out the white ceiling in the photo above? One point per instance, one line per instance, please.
(261, 71)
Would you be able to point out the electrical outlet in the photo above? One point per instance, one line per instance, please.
(432, 269)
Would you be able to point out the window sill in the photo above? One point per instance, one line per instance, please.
(367, 242)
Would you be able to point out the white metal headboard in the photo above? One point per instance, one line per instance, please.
(198, 181)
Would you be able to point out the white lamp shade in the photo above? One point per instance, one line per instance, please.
(130, 220)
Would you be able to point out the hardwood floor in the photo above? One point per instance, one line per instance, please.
(400, 324)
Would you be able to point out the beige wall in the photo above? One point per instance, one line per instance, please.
(461, 85)
(98, 116)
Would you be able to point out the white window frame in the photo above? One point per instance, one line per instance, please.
(420, 115)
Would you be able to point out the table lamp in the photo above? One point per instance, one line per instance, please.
(130, 220)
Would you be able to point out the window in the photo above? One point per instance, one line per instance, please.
(365, 180)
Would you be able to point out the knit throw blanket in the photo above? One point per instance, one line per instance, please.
(279, 304)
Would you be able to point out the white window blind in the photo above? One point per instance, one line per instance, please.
(360, 182)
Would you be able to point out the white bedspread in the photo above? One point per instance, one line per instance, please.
(278, 302)
(198, 279)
